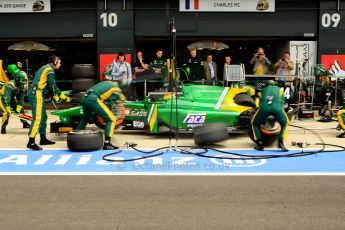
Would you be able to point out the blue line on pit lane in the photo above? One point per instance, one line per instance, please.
(63, 161)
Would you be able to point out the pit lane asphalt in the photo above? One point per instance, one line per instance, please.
(172, 202)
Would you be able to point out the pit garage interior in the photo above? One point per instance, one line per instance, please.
(75, 31)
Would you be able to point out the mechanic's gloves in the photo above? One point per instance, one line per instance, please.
(60, 98)
(18, 109)
(56, 98)
(63, 97)
(8, 109)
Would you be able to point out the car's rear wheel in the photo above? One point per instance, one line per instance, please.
(244, 99)
(269, 132)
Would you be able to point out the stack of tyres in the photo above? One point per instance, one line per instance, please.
(83, 78)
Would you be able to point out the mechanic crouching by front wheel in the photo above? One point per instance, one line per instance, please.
(43, 86)
(99, 100)
(272, 101)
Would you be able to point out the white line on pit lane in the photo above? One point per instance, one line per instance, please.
(164, 174)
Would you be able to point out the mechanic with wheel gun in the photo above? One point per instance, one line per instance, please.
(43, 86)
(272, 101)
(13, 90)
(99, 100)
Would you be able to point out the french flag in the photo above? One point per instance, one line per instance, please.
(192, 4)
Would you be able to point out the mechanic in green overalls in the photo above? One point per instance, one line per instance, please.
(272, 101)
(42, 87)
(12, 71)
(99, 100)
(341, 120)
(13, 90)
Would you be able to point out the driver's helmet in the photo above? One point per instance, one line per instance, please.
(20, 65)
(21, 79)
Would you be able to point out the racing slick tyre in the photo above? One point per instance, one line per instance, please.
(84, 140)
(244, 99)
(210, 133)
(82, 84)
(118, 110)
(269, 132)
(83, 71)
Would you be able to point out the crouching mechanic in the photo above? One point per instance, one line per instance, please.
(99, 100)
(272, 102)
(42, 87)
(13, 90)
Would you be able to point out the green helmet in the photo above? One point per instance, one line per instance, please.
(271, 82)
(13, 70)
(21, 79)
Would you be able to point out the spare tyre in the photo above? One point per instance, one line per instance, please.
(84, 140)
(82, 84)
(210, 133)
(83, 71)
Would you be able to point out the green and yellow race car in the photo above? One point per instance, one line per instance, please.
(193, 105)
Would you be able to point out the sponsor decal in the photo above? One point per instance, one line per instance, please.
(63, 162)
(240, 163)
(138, 124)
(335, 63)
(136, 112)
(193, 120)
(24, 6)
(50, 161)
(227, 5)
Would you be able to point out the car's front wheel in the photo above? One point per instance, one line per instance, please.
(118, 110)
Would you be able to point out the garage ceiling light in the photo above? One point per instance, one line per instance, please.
(29, 46)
